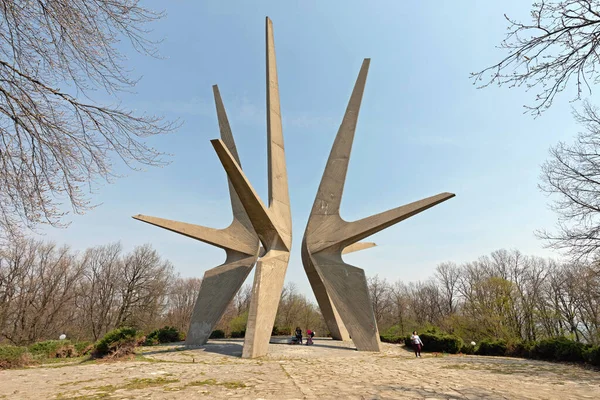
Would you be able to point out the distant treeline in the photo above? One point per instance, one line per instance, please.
(47, 290)
(506, 296)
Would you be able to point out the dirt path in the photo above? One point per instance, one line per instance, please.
(327, 370)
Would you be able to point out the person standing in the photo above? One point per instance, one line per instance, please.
(299, 335)
(417, 343)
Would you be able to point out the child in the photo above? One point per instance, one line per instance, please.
(417, 343)
(309, 335)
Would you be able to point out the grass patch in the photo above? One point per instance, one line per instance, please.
(76, 382)
(214, 382)
(141, 383)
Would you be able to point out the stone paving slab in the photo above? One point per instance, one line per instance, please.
(327, 370)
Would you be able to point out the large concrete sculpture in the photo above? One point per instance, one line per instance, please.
(239, 240)
(272, 223)
(341, 289)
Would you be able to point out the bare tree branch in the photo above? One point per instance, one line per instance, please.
(53, 146)
(572, 177)
(558, 46)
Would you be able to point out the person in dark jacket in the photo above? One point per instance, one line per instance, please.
(299, 334)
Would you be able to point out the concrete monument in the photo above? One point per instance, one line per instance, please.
(341, 289)
(272, 223)
(239, 240)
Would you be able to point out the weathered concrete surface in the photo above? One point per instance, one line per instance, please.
(273, 224)
(341, 289)
(239, 240)
(327, 370)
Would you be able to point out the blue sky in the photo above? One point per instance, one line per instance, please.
(423, 129)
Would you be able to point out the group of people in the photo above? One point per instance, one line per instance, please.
(414, 338)
(298, 338)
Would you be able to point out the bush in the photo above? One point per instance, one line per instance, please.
(434, 341)
(277, 331)
(83, 348)
(519, 349)
(237, 326)
(491, 348)
(559, 349)
(167, 334)
(118, 342)
(393, 339)
(440, 342)
(14, 357)
(592, 355)
(54, 349)
(238, 334)
(467, 348)
(217, 334)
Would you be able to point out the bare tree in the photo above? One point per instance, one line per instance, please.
(99, 288)
(379, 292)
(37, 282)
(448, 275)
(182, 298)
(53, 145)
(572, 176)
(143, 288)
(559, 45)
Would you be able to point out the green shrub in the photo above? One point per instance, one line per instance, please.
(519, 349)
(54, 349)
(592, 355)
(166, 334)
(559, 349)
(83, 348)
(278, 331)
(237, 326)
(121, 341)
(467, 348)
(14, 357)
(391, 338)
(434, 341)
(217, 334)
(440, 342)
(491, 348)
(238, 334)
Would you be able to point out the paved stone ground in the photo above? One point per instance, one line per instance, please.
(327, 370)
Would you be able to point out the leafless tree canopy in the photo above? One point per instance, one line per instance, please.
(558, 46)
(53, 145)
(506, 295)
(572, 176)
(46, 290)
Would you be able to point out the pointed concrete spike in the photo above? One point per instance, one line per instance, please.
(329, 195)
(352, 232)
(259, 215)
(223, 238)
(227, 137)
(274, 225)
(224, 127)
(340, 288)
(278, 179)
(358, 247)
